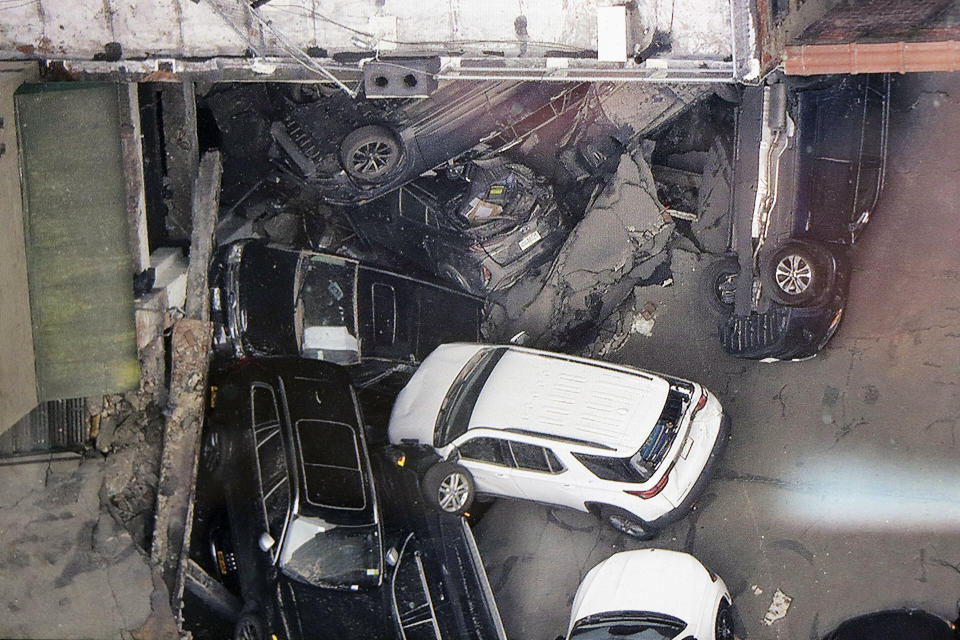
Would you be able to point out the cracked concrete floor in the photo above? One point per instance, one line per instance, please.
(67, 569)
(840, 484)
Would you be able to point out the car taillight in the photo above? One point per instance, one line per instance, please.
(646, 494)
(486, 275)
(700, 404)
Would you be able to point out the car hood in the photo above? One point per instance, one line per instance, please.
(651, 580)
(415, 410)
(551, 393)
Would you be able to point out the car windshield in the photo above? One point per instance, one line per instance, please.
(457, 407)
(627, 629)
(325, 321)
(320, 553)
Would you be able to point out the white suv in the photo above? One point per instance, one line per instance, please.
(654, 594)
(632, 447)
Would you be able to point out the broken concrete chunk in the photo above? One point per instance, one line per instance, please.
(778, 607)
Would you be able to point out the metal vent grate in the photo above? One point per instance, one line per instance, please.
(58, 425)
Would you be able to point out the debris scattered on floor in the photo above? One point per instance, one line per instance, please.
(778, 607)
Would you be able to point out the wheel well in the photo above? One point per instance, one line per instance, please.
(594, 508)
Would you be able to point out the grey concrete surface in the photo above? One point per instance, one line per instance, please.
(67, 569)
(840, 485)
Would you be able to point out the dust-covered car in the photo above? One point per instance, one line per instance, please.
(325, 537)
(481, 228)
(367, 150)
(271, 300)
(811, 160)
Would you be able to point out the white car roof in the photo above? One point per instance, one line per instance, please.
(651, 580)
(571, 397)
(537, 391)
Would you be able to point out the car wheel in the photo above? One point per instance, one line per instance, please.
(370, 153)
(794, 274)
(449, 487)
(249, 627)
(627, 523)
(719, 284)
(724, 628)
(452, 274)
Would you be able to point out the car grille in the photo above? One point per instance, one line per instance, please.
(756, 331)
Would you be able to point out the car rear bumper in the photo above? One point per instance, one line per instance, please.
(688, 502)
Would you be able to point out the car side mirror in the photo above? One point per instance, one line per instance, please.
(520, 339)
(266, 542)
(391, 557)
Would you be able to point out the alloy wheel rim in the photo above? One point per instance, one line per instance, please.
(453, 492)
(794, 274)
(372, 158)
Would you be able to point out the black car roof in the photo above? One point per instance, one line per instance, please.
(900, 624)
(323, 421)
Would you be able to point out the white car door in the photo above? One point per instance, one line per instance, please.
(489, 461)
(541, 476)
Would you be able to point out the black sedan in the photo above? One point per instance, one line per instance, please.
(481, 228)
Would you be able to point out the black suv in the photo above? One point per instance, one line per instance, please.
(269, 300)
(325, 539)
(372, 149)
(810, 159)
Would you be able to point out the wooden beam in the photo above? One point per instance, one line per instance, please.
(190, 349)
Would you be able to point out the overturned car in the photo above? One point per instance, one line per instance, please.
(378, 148)
(812, 154)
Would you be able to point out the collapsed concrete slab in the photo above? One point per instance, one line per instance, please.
(620, 242)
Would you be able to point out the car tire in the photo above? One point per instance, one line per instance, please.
(795, 273)
(719, 283)
(627, 523)
(724, 625)
(370, 153)
(448, 487)
(249, 627)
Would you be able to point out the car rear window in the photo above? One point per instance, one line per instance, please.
(332, 470)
